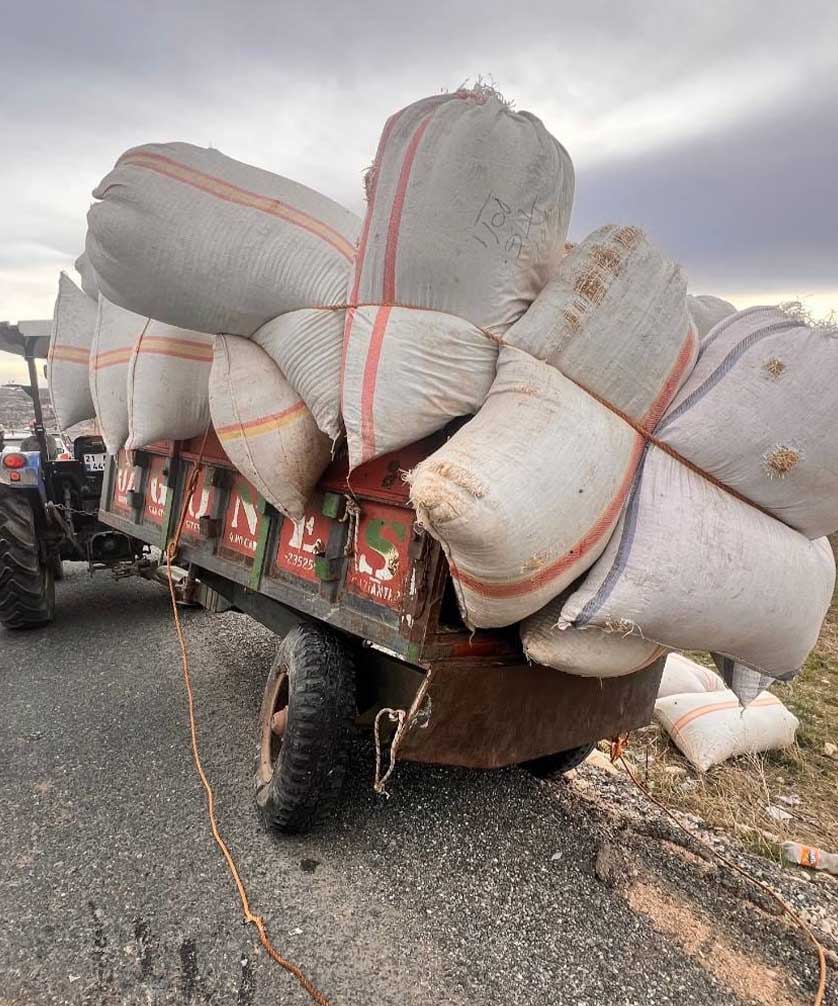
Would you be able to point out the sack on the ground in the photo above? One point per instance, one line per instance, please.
(589, 653)
(694, 568)
(167, 390)
(711, 727)
(306, 346)
(198, 240)
(468, 208)
(760, 411)
(73, 328)
(682, 676)
(614, 320)
(264, 426)
(706, 312)
(117, 331)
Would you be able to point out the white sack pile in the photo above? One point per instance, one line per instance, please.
(643, 470)
(706, 721)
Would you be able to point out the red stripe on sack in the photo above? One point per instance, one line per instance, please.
(656, 410)
(273, 417)
(242, 197)
(368, 386)
(589, 540)
(392, 247)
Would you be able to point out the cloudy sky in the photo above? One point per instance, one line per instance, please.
(712, 124)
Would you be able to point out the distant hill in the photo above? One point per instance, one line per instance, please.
(16, 412)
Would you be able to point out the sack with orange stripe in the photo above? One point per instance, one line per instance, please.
(525, 496)
(117, 331)
(73, 328)
(264, 426)
(198, 240)
(468, 205)
(167, 385)
(709, 728)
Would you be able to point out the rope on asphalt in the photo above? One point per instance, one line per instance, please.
(249, 916)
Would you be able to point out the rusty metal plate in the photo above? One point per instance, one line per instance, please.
(122, 485)
(487, 717)
(203, 502)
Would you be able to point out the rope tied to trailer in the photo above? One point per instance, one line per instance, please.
(406, 720)
(618, 749)
(250, 918)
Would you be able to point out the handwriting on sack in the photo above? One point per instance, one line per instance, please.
(500, 226)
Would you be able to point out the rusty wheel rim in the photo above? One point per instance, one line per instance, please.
(273, 720)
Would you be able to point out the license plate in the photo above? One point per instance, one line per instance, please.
(94, 462)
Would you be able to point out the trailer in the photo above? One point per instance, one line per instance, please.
(371, 632)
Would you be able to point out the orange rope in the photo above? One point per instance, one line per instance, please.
(787, 910)
(249, 916)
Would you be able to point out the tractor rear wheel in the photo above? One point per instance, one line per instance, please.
(27, 585)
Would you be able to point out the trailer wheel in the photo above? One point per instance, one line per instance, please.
(304, 728)
(27, 587)
(558, 764)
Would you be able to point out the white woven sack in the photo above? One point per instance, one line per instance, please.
(760, 412)
(117, 331)
(709, 728)
(204, 242)
(682, 675)
(707, 311)
(694, 568)
(264, 426)
(468, 208)
(614, 320)
(73, 328)
(524, 497)
(306, 346)
(167, 385)
(89, 281)
(589, 653)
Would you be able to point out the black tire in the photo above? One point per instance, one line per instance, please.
(299, 776)
(27, 587)
(558, 764)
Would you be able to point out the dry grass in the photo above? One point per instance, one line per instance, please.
(736, 795)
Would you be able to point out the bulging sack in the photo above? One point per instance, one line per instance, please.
(73, 328)
(420, 369)
(759, 413)
(468, 208)
(89, 281)
(706, 312)
(694, 568)
(711, 727)
(167, 389)
(590, 653)
(614, 320)
(117, 332)
(198, 240)
(264, 426)
(306, 346)
(683, 676)
(524, 497)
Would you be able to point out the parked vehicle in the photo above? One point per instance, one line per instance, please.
(49, 499)
(368, 612)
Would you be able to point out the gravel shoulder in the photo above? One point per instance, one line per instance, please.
(464, 887)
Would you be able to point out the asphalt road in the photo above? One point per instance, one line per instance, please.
(465, 887)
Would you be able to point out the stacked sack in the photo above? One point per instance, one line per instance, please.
(200, 241)
(468, 209)
(639, 473)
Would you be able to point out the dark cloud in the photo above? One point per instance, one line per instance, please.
(734, 180)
